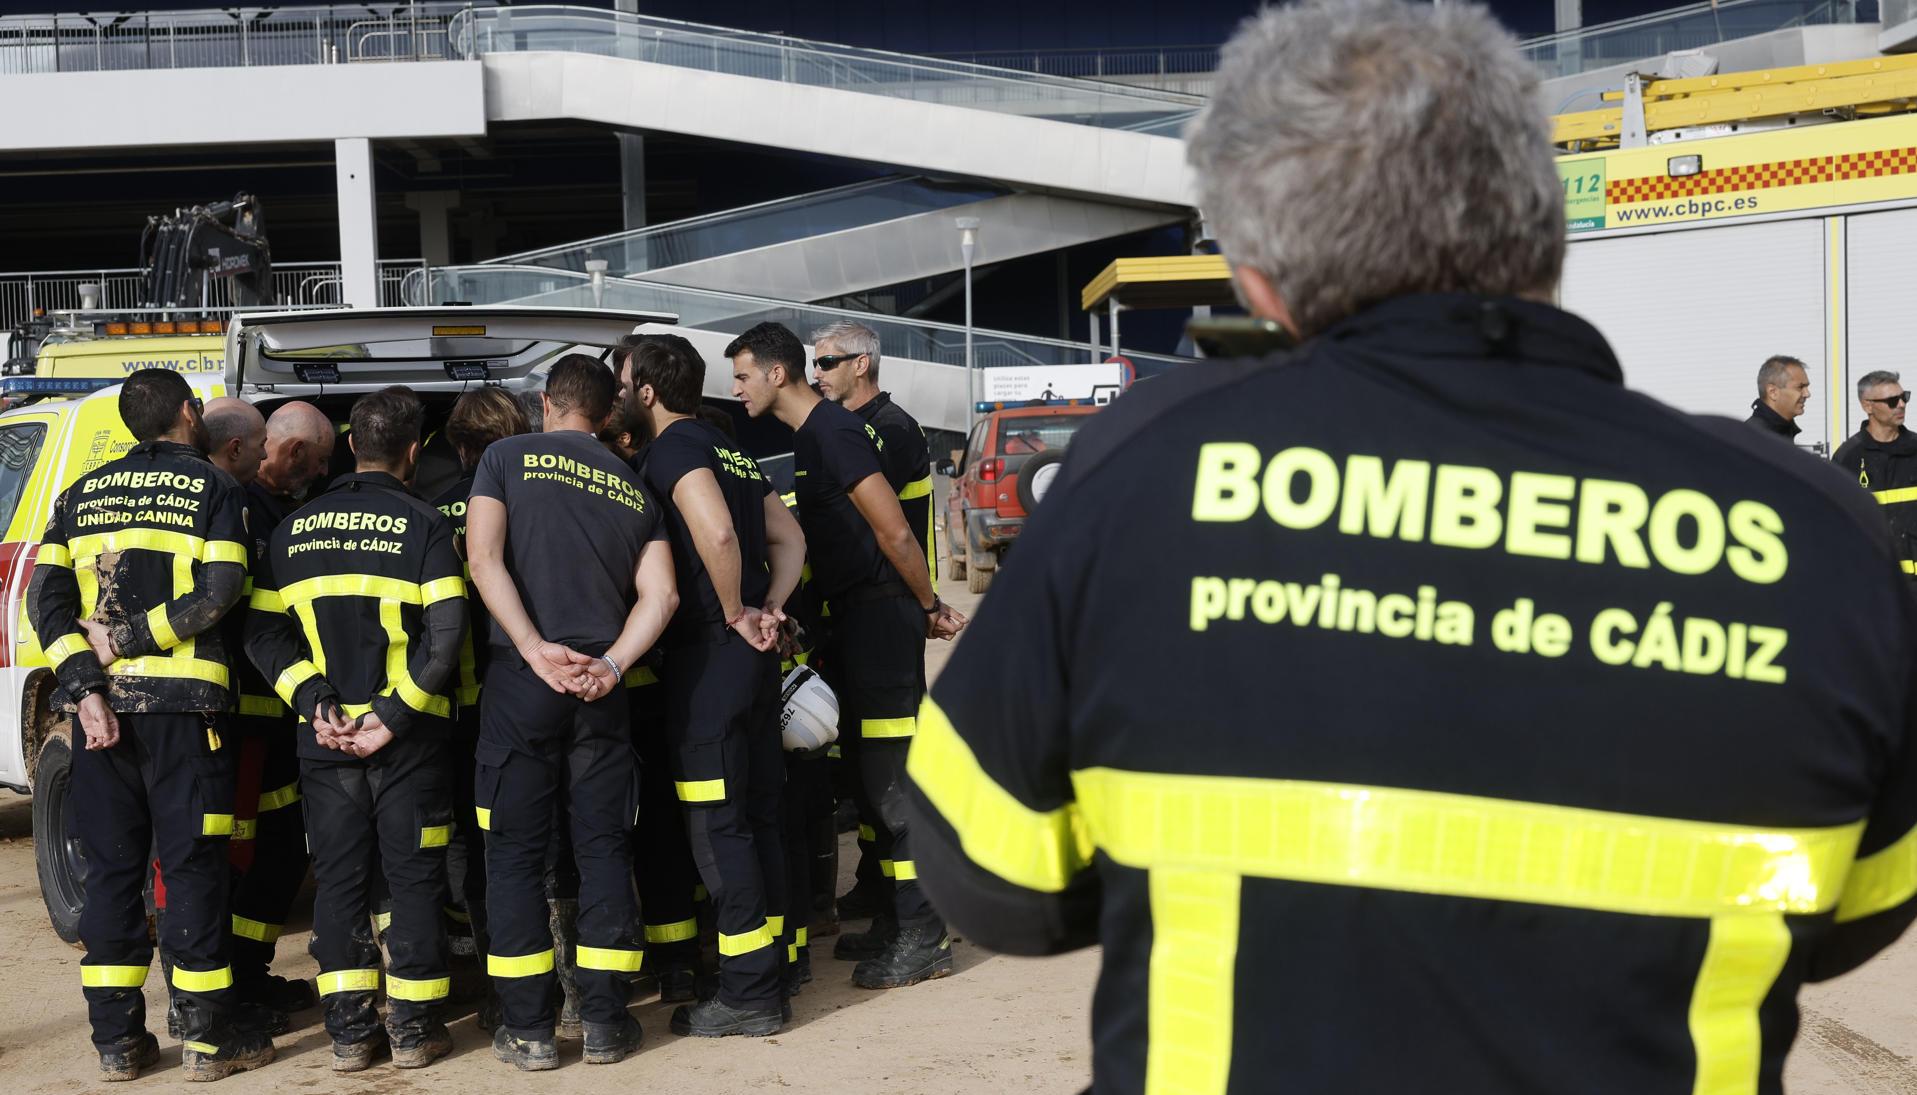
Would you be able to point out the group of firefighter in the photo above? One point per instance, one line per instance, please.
(566, 717)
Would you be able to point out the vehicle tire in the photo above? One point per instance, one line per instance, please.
(977, 580)
(56, 843)
(955, 567)
(1037, 477)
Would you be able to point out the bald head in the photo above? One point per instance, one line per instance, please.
(299, 443)
(235, 437)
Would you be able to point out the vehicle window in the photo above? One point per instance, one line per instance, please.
(974, 444)
(19, 448)
(1023, 438)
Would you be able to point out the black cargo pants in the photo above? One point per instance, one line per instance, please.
(662, 863)
(268, 873)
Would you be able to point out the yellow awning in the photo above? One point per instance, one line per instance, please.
(1165, 281)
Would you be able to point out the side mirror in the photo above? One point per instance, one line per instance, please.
(947, 469)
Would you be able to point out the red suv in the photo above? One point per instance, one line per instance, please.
(1007, 463)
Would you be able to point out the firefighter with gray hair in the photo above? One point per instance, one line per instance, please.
(1575, 777)
(1783, 391)
(1882, 456)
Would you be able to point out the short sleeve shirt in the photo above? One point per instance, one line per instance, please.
(687, 446)
(834, 451)
(577, 519)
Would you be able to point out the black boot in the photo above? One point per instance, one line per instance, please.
(610, 1043)
(797, 974)
(859, 946)
(678, 984)
(863, 900)
(359, 1056)
(525, 1054)
(237, 1052)
(285, 995)
(919, 952)
(712, 1019)
(124, 1060)
(420, 1044)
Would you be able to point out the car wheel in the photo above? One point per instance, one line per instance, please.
(977, 580)
(955, 567)
(56, 841)
(1037, 477)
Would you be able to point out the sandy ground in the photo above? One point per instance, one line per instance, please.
(998, 1025)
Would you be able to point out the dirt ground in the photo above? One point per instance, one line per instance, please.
(998, 1025)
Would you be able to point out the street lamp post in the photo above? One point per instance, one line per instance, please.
(968, 240)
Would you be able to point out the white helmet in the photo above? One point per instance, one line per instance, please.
(808, 713)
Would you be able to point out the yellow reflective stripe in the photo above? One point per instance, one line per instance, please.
(919, 489)
(456, 915)
(207, 1048)
(382, 921)
(216, 824)
(309, 590)
(1189, 1003)
(88, 580)
(66, 646)
(466, 695)
(245, 828)
(399, 676)
(1908, 566)
(616, 959)
(256, 930)
(867, 833)
(1881, 880)
(202, 981)
(1741, 962)
(86, 548)
(777, 924)
(885, 867)
(442, 589)
(1895, 495)
(279, 798)
(524, 965)
(433, 988)
(174, 667)
(223, 551)
(435, 836)
(485, 816)
(904, 870)
(639, 676)
(1037, 849)
(731, 946)
(701, 790)
(801, 937)
(212, 740)
(355, 710)
(699, 891)
(1460, 845)
(53, 555)
(833, 751)
(309, 626)
(676, 932)
(295, 675)
(348, 981)
(888, 728)
(161, 627)
(112, 977)
(261, 706)
(266, 600)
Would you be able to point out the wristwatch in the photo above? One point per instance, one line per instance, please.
(936, 605)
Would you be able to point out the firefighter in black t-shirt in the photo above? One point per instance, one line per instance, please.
(868, 567)
(1520, 746)
(737, 553)
(570, 556)
(356, 617)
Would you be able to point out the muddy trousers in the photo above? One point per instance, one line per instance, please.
(876, 665)
(390, 815)
(268, 853)
(722, 723)
(165, 788)
(662, 864)
(466, 856)
(535, 745)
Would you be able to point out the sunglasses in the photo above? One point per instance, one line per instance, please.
(1900, 397)
(833, 361)
(196, 403)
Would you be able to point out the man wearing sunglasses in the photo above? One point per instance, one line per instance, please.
(1883, 456)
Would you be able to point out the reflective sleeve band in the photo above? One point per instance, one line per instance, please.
(295, 675)
(1037, 849)
(867, 833)
(356, 709)
(885, 867)
(264, 707)
(676, 932)
(256, 930)
(777, 924)
(485, 816)
(216, 824)
(267, 600)
(399, 674)
(434, 988)
(732, 946)
(1458, 845)
(904, 870)
(701, 790)
(348, 981)
(640, 675)
(435, 836)
(1895, 495)
(245, 828)
(223, 551)
(919, 489)
(279, 798)
(53, 555)
(161, 627)
(208, 981)
(1881, 880)
(442, 589)
(66, 646)
(609, 958)
(888, 728)
(172, 668)
(112, 977)
(523, 965)
(85, 548)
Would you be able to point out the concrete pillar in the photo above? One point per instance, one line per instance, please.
(1570, 15)
(632, 194)
(358, 223)
(435, 224)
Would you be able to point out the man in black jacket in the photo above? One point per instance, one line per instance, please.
(1882, 454)
(1783, 388)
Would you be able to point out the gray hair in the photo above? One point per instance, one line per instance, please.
(1873, 378)
(1776, 372)
(1359, 150)
(851, 338)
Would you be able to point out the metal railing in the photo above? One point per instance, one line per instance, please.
(294, 283)
(1692, 27)
(226, 37)
(813, 64)
(751, 226)
(1098, 64)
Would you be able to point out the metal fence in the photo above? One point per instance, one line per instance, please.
(294, 283)
(1691, 27)
(1097, 64)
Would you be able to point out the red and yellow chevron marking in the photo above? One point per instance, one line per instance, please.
(1765, 176)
